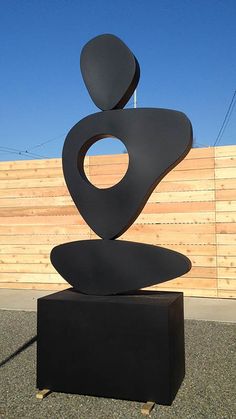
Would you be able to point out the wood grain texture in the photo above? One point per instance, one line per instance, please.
(186, 196)
(229, 205)
(226, 151)
(225, 194)
(226, 216)
(226, 293)
(186, 185)
(190, 292)
(35, 286)
(226, 250)
(47, 219)
(225, 173)
(225, 162)
(225, 184)
(225, 228)
(193, 211)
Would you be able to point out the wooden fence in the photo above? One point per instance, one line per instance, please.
(193, 210)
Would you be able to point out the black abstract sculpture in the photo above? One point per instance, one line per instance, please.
(156, 141)
(117, 341)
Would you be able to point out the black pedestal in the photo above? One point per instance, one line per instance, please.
(126, 347)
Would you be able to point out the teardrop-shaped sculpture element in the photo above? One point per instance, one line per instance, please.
(156, 140)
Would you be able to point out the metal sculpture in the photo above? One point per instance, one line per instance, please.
(116, 341)
(156, 141)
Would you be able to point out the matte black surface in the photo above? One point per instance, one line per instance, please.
(104, 267)
(156, 140)
(126, 347)
(110, 71)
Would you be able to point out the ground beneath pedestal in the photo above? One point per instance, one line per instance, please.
(207, 390)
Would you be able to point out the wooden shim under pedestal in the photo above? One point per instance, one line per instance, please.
(147, 408)
(41, 394)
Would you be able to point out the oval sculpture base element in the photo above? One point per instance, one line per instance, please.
(106, 267)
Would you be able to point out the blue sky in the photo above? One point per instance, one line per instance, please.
(186, 50)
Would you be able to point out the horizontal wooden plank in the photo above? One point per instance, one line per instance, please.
(226, 250)
(108, 169)
(73, 230)
(32, 183)
(30, 164)
(186, 185)
(227, 272)
(226, 205)
(172, 228)
(185, 218)
(41, 220)
(191, 292)
(185, 283)
(31, 268)
(226, 239)
(177, 207)
(170, 238)
(226, 217)
(191, 250)
(225, 228)
(225, 184)
(226, 261)
(35, 286)
(225, 162)
(203, 261)
(54, 239)
(28, 249)
(225, 151)
(225, 284)
(31, 277)
(41, 201)
(201, 272)
(104, 181)
(199, 153)
(200, 163)
(179, 196)
(225, 194)
(51, 172)
(18, 258)
(108, 159)
(38, 211)
(226, 294)
(225, 173)
(190, 174)
(208, 261)
(34, 192)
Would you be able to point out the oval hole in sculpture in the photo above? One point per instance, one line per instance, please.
(106, 162)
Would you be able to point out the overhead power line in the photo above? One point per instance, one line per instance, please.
(23, 153)
(226, 119)
(45, 142)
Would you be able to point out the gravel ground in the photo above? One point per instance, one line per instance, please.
(208, 390)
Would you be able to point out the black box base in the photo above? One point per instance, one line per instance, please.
(127, 347)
